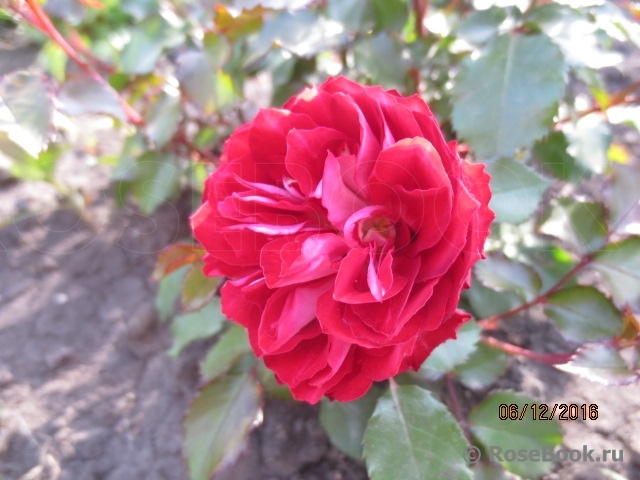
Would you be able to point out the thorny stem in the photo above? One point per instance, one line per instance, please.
(547, 358)
(455, 406)
(623, 97)
(39, 19)
(491, 323)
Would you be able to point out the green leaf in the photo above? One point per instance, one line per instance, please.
(21, 164)
(208, 88)
(196, 325)
(162, 119)
(168, 293)
(623, 195)
(516, 190)
(486, 302)
(156, 181)
(619, 264)
(140, 9)
(603, 364)
(482, 368)
(345, 422)
(581, 225)
(218, 422)
(26, 109)
(454, 352)
(140, 55)
(412, 436)
(503, 274)
(381, 59)
(552, 156)
(481, 25)
(197, 288)
(584, 314)
(514, 103)
(80, 95)
(232, 345)
(590, 139)
(391, 15)
(356, 15)
(217, 49)
(525, 434)
(304, 33)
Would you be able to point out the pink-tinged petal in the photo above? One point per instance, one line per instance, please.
(306, 152)
(268, 140)
(305, 257)
(412, 163)
(380, 278)
(243, 301)
(437, 260)
(286, 313)
(381, 363)
(477, 182)
(339, 193)
(351, 387)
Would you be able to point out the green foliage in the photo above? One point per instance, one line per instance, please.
(412, 436)
(515, 102)
(345, 422)
(584, 314)
(525, 433)
(218, 422)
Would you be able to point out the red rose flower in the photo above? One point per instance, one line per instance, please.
(347, 227)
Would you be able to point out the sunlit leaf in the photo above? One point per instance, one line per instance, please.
(168, 293)
(380, 58)
(581, 225)
(197, 288)
(515, 102)
(516, 190)
(209, 88)
(589, 141)
(235, 26)
(232, 345)
(455, 351)
(218, 423)
(479, 26)
(80, 95)
(303, 33)
(188, 327)
(501, 273)
(482, 368)
(176, 256)
(624, 197)
(601, 363)
(148, 40)
(619, 264)
(527, 433)
(412, 436)
(26, 109)
(157, 180)
(583, 314)
(345, 422)
(162, 119)
(552, 156)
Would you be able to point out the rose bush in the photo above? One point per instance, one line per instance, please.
(347, 227)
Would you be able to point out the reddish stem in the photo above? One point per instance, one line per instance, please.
(41, 21)
(548, 358)
(455, 406)
(491, 323)
(623, 97)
